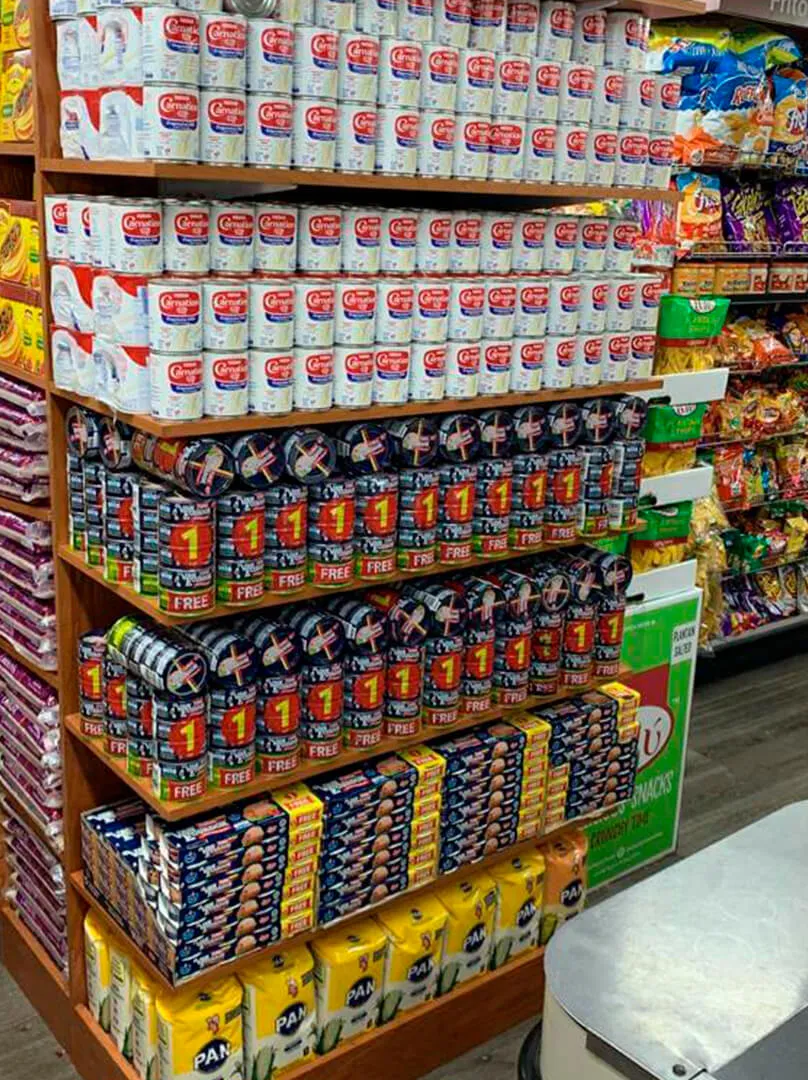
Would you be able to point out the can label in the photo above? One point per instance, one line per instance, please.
(440, 76)
(186, 237)
(358, 67)
(276, 239)
(400, 65)
(270, 56)
(232, 238)
(223, 128)
(475, 89)
(175, 317)
(171, 123)
(316, 62)
(314, 141)
(356, 143)
(320, 240)
(269, 130)
(472, 145)
(314, 378)
(540, 152)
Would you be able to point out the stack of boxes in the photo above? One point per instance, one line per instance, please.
(426, 811)
(535, 762)
(305, 813)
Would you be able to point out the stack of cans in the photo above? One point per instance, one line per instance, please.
(406, 633)
(512, 643)
(332, 520)
(597, 469)
(186, 557)
(364, 672)
(551, 590)
(494, 487)
(482, 599)
(561, 513)
(146, 495)
(140, 745)
(623, 505)
(92, 648)
(76, 521)
(444, 651)
(180, 769)
(240, 547)
(418, 501)
(575, 671)
(613, 578)
(118, 525)
(525, 527)
(115, 728)
(323, 643)
(279, 658)
(286, 506)
(459, 444)
(377, 496)
(92, 475)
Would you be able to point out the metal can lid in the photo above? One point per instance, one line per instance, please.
(309, 455)
(564, 424)
(459, 437)
(630, 415)
(599, 421)
(258, 459)
(496, 433)
(115, 443)
(530, 427)
(204, 467)
(415, 441)
(83, 435)
(364, 448)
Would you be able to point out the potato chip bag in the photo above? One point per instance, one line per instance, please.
(96, 966)
(738, 113)
(699, 212)
(414, 930)
(761, 47)
(199, 1032)
(279, 1012)
(679, 45)
(789, 88)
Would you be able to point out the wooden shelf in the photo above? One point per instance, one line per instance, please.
(23, 375)
(217, 797)
(40, 511)
(50, 677)
(251, 174)
(213, 425)
(35, 973)
(29, 820)
(17, 149)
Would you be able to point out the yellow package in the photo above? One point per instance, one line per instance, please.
(199, 1032)
(145, 1042)
(429, 765)
(96, 967)
(33, 274)
(472, 905)
(17, 97)
(520, 887)
(349, 969)
(301, 806)
(564, 880)
(279, 1012)
(120, 999)
(414, 931)
(628, 700)
(16, 20)
(32, 352)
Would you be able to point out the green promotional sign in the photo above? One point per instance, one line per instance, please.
(659, 647)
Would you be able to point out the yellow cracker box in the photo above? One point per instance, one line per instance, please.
(120, 997)
(96, 964)
(420, 875)
(33, 343)
(199, 1031)
(425, 831)
(144, 1026)
(16, 19)
(17, 97)
(471, 904)
(414, 930)
(279, 1012)
(349, 968)
(429, 765)
(301, 806)
(564, 880)
(537, 731)
(18, 237)
(520, 887)
(628, 700)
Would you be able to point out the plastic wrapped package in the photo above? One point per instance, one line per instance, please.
(22, 684)
(29, 533)
(36, 887)
(26, 397)
(699, 212)
(28, 432)
(663, 540)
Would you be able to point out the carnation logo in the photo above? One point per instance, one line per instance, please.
(594, 234)
(359, 303)
(458, 11)
(278, 370)
(471, 300)
(230, 304)
(651, 293)
(324, 51)
(59, 217)
(141, 227)
(633, 34)
(443, 66)
(320, 303)
(643, 346)
(226, 115)
(442, 133)
(180, 305)
(565, 233)
(320, 367)
(618, 345)
(392, 363)
(548, 78)
(276, 228)
(534, 299)
(647, 92)
(422, 8)
(502, 299)
(362, 56)
(531, 355)
(562, 21)
(670, 95)
(364, 127)
(468, 360)
(543, 141)
(359, 366)
(634, 149)
(181, 33)
(86, 226)
(402, 231)
(514, 75)
(660, 150)
(275, 118)
(626, 292)
(580, 81)
(600, 295)
(279, 305)
(235, 228)
(565, 352)
(502, 232)
(614, 87)
(405, 129)
(192, 226)
(467, 232)
(570, 297)
(185, 375)
(477, 135)
(400, 303)
(321, 123)
(506, 138)
(434, 361)
(625, 235)
(226, 38)
(593, 350)
(576, 143)
(230, 372)
(522, 18)
(405, 61)
(498, 356)
(368, 230)
(593, 28)
(178, 111)
(277, 45)
(440, 232)
(480, 71)
(605, 146)
(433, 302)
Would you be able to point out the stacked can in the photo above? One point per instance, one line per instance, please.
(551, 597)
(494, 485)
(240, 546)
(115, 731)
(514, 630)
(92, 648)
(140, 745)
(482, 599)
(146, 495)
(331, 527)
(415, 445)
(563, 491)
(406, 627)
(622, 507)
(614, 576)
(180, 769)
(579, 620)
(92, 477)
(364, 672)
(443, 652)
(118, 526)
(322, 640)
(279, 659)
(186, 557)
(286, 507)
(458, 447)
(365, 451)
(76, 520)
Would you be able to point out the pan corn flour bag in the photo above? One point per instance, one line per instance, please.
(120, 997)
(414, 930)
(471, 905)
(199, 1032)
(520, 889)
(145, 1042)
(96, 962)
(564, 882)
(279, 1012)
(349, 969)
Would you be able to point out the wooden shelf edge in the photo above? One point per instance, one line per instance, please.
(39, 381)
(93, 1053)
(35, 510)
(50, 677)
(17, 149)
(35, 973)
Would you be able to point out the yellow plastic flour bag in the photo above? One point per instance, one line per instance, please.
(349, 968)
(520, 887)
(471, 904)
(96, 964)
(145, 1042)
(414, 930)
(120, 999)
(199, 1032)
(279, 1012)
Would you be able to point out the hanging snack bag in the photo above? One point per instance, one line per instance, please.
(686, 333)
(663, 541)
(564, 880)
(699, 211)
(672, 434)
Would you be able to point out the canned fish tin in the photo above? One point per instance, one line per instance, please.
(632, 158)
(186, 236)
(136, 237)
(314, 313)
(226, 381)
(623, 235)
(462, 369)
(475, 85)
(560, 242)
(439, 77)
(427, 380)
(356, 138)
(397, 144)
(630, 416)
(358, 67)
(223, 127)
(563, 306)
(270, 56)
(314, 142)
(269, 130)
(437, 142)
(271, 315)
(499, 310)
(570, 154)
(313, 378)
(180, 781)
(495, 366)
(176, 386)
(608, 99)
(319, 239)
(364, 450)
(225, 315)
(232, 237)
(275, 245)
(588, 360)
(415, 445)
(271, 381)
(171, 123)
(175, 316)
(395, 300)
(258, 458)
(556, 30)
(472, 145)
(400, 65)
(458, 439)
(559, 359)
(527, 362)
(315, 70)
(239, 581)
(391, 366)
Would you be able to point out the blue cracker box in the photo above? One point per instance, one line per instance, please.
(213, 906)
(271, 856)
(383, 849)
(462, 830)
(257, 823)
(598, 706)
(232, 920)
(479, 776)
(564, 714)
(370, 875)
(397, 769)
(364, 837)
(463, 753)
(328, 912)
(205, 960)
(506, 740)
(390, 779)
(232, 884)
(481, 811)
(361, 827)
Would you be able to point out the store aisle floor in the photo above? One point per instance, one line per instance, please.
(748, 756)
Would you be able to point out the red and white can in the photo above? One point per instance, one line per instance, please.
(595, 293)
(559, 360)
(314, 313)
(79, 230)
(528, 243)
(564, 305)
(272, 315)
(616, 350)
(400, 65)
(464, 248)
(499, 309)
(71, 296)
(270, 56)
(556, 30)
(271, 381)
(395, 302)
(608, 98)
(354, 312)
(397, 141)
(511, 85)
(176, 388)
(527, 364)
(666, 103)
(415, 20)
(660, 161)
(540, 151)
(475, 82)
(451, 22)
(576, 92)
(601, 156)
(462, 368)
(314, 143)
(353, 376)
(57, 243)
(125, 379)
(496, 243)
(641, 355)
(175, 316)
(319, 241)
(313, 378)
(356, 138)
(439, 77)
(622, 301)
(232, 237)
(432, 242)
(632, 158)
(589, 37)
(186, 236)
(487, 25)
(495, 366)
(506, 149)
(377, 17)
(269, 130)
(358, 67)
(637, 108)
(588, 360)
(225, 315)
(223, 127)
(590, 249)
(472, 145)
(623, 236)
(120, 307)
(171, 123)
(560, 242)
(436, 146)
(391, 372)
(399, 241)
(361, 240)
(226, 379)
(626, 40)
(223, 51)
(427, 371)
(99, 230)
(466, 305)
(430, 317)
(646, 301)
(569, 166)
(532, 305)
(170, 46)
(275, 244)
(135, 236)
(335, 14)
(315, 72)
(545, 90)
(522, 26)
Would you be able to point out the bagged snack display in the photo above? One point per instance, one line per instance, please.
(686, 333)
(747, 220)
(688, 46)
(564, 881)
(672, 434)
(663, 540)
(790, 95)
(699, 212)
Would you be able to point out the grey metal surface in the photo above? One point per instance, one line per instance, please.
(780, 1056)
(686, 971)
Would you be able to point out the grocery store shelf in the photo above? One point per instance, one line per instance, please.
(751, 373)
(739, 508)
(28, 818)
(677, 486)
(23, 375)
(781, 626)
(766, 564)
(218, 797)
(215, 425)
(690, 387)
(708, 443)
(17, 149)
(35, 510)
(35, 973)
(662, 581)
(50, 677)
